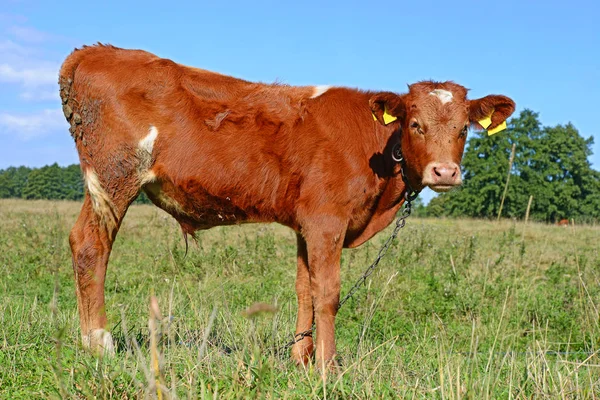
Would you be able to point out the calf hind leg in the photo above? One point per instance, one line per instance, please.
(91, 242)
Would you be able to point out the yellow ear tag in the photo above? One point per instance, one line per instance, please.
(487, 121)
(497, 129)
(387, 118)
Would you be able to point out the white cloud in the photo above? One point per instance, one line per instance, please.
(40, 95)
(33, 125)
(29, 34)
(9, 48)
(30, 76)
(27, 62)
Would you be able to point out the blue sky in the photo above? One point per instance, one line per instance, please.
(545, 55)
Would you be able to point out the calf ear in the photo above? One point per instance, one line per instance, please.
(387, 107)
(495, 107)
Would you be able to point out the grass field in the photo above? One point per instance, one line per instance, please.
(458, 309)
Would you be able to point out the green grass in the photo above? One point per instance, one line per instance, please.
(457, 309)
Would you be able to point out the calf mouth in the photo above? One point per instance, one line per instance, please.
(441, 188)
(442, 176)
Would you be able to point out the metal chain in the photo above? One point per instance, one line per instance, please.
(410, 195)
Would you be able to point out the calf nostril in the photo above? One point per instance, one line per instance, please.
(454, 174)
(436, 171)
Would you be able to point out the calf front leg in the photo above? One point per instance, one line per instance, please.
(302, 350)
(324, 245)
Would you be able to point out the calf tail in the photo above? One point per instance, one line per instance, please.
(65, 83)
(66, 78)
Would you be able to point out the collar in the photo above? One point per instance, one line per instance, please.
(398, 157)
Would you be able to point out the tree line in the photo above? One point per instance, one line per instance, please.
(551, 164)
(51, 182)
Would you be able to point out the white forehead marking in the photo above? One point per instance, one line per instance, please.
(444, 95)
(319, 90)
(147, 143)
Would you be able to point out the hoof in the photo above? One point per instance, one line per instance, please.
(302, 351)
(329, 367)
(330, 364)
(100, 342)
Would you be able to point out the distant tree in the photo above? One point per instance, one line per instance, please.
(565, 171)
(50, 182)
(418, 208)
(142, 199)
(12, 181)
(72, 182)
(590, 207)
(45, 183)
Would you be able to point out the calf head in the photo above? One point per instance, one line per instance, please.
(434, 118)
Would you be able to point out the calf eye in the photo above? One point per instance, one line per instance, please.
(415, 125)
(464, 131)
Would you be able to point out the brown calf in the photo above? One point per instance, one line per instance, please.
(214, 150)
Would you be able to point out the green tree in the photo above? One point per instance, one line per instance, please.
(54, 183)
(590, 206)
(49, 182)
(45, 183)
(12, 181)
(418, 208)
(72, 182)
(564, 171)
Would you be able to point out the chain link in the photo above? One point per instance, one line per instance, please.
(410, 195)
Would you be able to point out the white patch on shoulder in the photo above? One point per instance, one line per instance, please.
(445, 96)
(101, 202)
(319, 90)
(147, 143)
(144, 153)
(101, 341)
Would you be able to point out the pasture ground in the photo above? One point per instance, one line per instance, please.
(457, 309)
